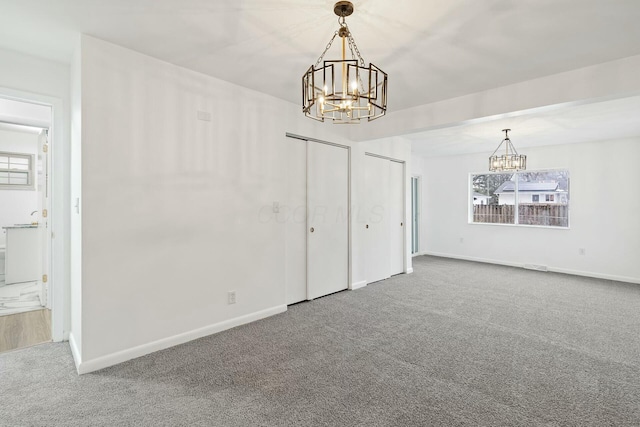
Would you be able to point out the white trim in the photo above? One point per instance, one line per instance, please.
(595, 275)
(102, 362)
(75, 352)
(358, 285)
(470, 258)
(409, 270)
(550, 269)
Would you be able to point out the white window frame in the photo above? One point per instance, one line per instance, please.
(31, 185)
(516, 197)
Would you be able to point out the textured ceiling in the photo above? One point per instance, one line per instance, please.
(432, 49)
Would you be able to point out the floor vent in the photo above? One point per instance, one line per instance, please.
(536, 267)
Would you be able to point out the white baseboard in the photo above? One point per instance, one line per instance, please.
(551, 269)
(141, 350)
(409, 270)
(595, 275)
(476, 259)
(358, 285)
(75, 352)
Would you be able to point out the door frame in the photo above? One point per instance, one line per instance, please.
(349, 218)
(418, 211)
(57, 279)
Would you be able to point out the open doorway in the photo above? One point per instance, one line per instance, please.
(25, 238)
(415, 215)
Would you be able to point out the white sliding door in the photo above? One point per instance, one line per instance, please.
(397, 217)
(386, 217)
(294, 213)
(378, 252)
(328, 219)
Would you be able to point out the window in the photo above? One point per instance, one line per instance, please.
(16, 171)
(523, 198)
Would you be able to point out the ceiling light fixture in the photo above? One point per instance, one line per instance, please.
(344, 90)
(510, 160)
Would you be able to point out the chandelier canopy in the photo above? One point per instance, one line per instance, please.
(510, 160)
(344, 90)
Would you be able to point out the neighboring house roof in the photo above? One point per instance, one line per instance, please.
(509, 187)
(480, 195)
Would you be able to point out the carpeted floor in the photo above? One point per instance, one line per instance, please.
(455, 343)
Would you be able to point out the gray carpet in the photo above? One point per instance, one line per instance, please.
(455, 343)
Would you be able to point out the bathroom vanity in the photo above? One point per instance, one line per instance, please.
(23, 256)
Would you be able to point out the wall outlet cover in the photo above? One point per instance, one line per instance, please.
(231, 297)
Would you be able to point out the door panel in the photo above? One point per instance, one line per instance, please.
(328, 219)
(378, 251)
(294, 212)
(397, 222)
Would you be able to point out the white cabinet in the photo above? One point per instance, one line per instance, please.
(23, 256)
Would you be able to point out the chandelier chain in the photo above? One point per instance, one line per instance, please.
(325, 50)
(344, 89)
(353, 46)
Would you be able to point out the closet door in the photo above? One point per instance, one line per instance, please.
(377, 216)
(397, 217)
(328, 219)
(294, 212)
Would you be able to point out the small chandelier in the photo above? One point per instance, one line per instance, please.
(510, 160)
(344, 90)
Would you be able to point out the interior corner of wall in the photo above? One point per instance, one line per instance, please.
(75, 352)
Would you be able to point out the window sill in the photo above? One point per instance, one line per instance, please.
(520, 225)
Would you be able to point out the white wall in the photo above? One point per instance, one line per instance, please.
(29, 78)
(171, 205)
(608, 80)
(16, 205)
(25, 113)
(608, 230)
(75, 220)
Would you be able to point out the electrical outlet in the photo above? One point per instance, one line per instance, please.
(582, 251)
(231, 297)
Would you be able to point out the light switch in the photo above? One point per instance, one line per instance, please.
(204, 116)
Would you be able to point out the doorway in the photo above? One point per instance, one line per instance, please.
(415, 215)
(25, 238)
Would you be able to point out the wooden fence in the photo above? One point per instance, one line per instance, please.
(530, 214)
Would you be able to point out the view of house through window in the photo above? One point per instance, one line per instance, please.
(525, 198)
